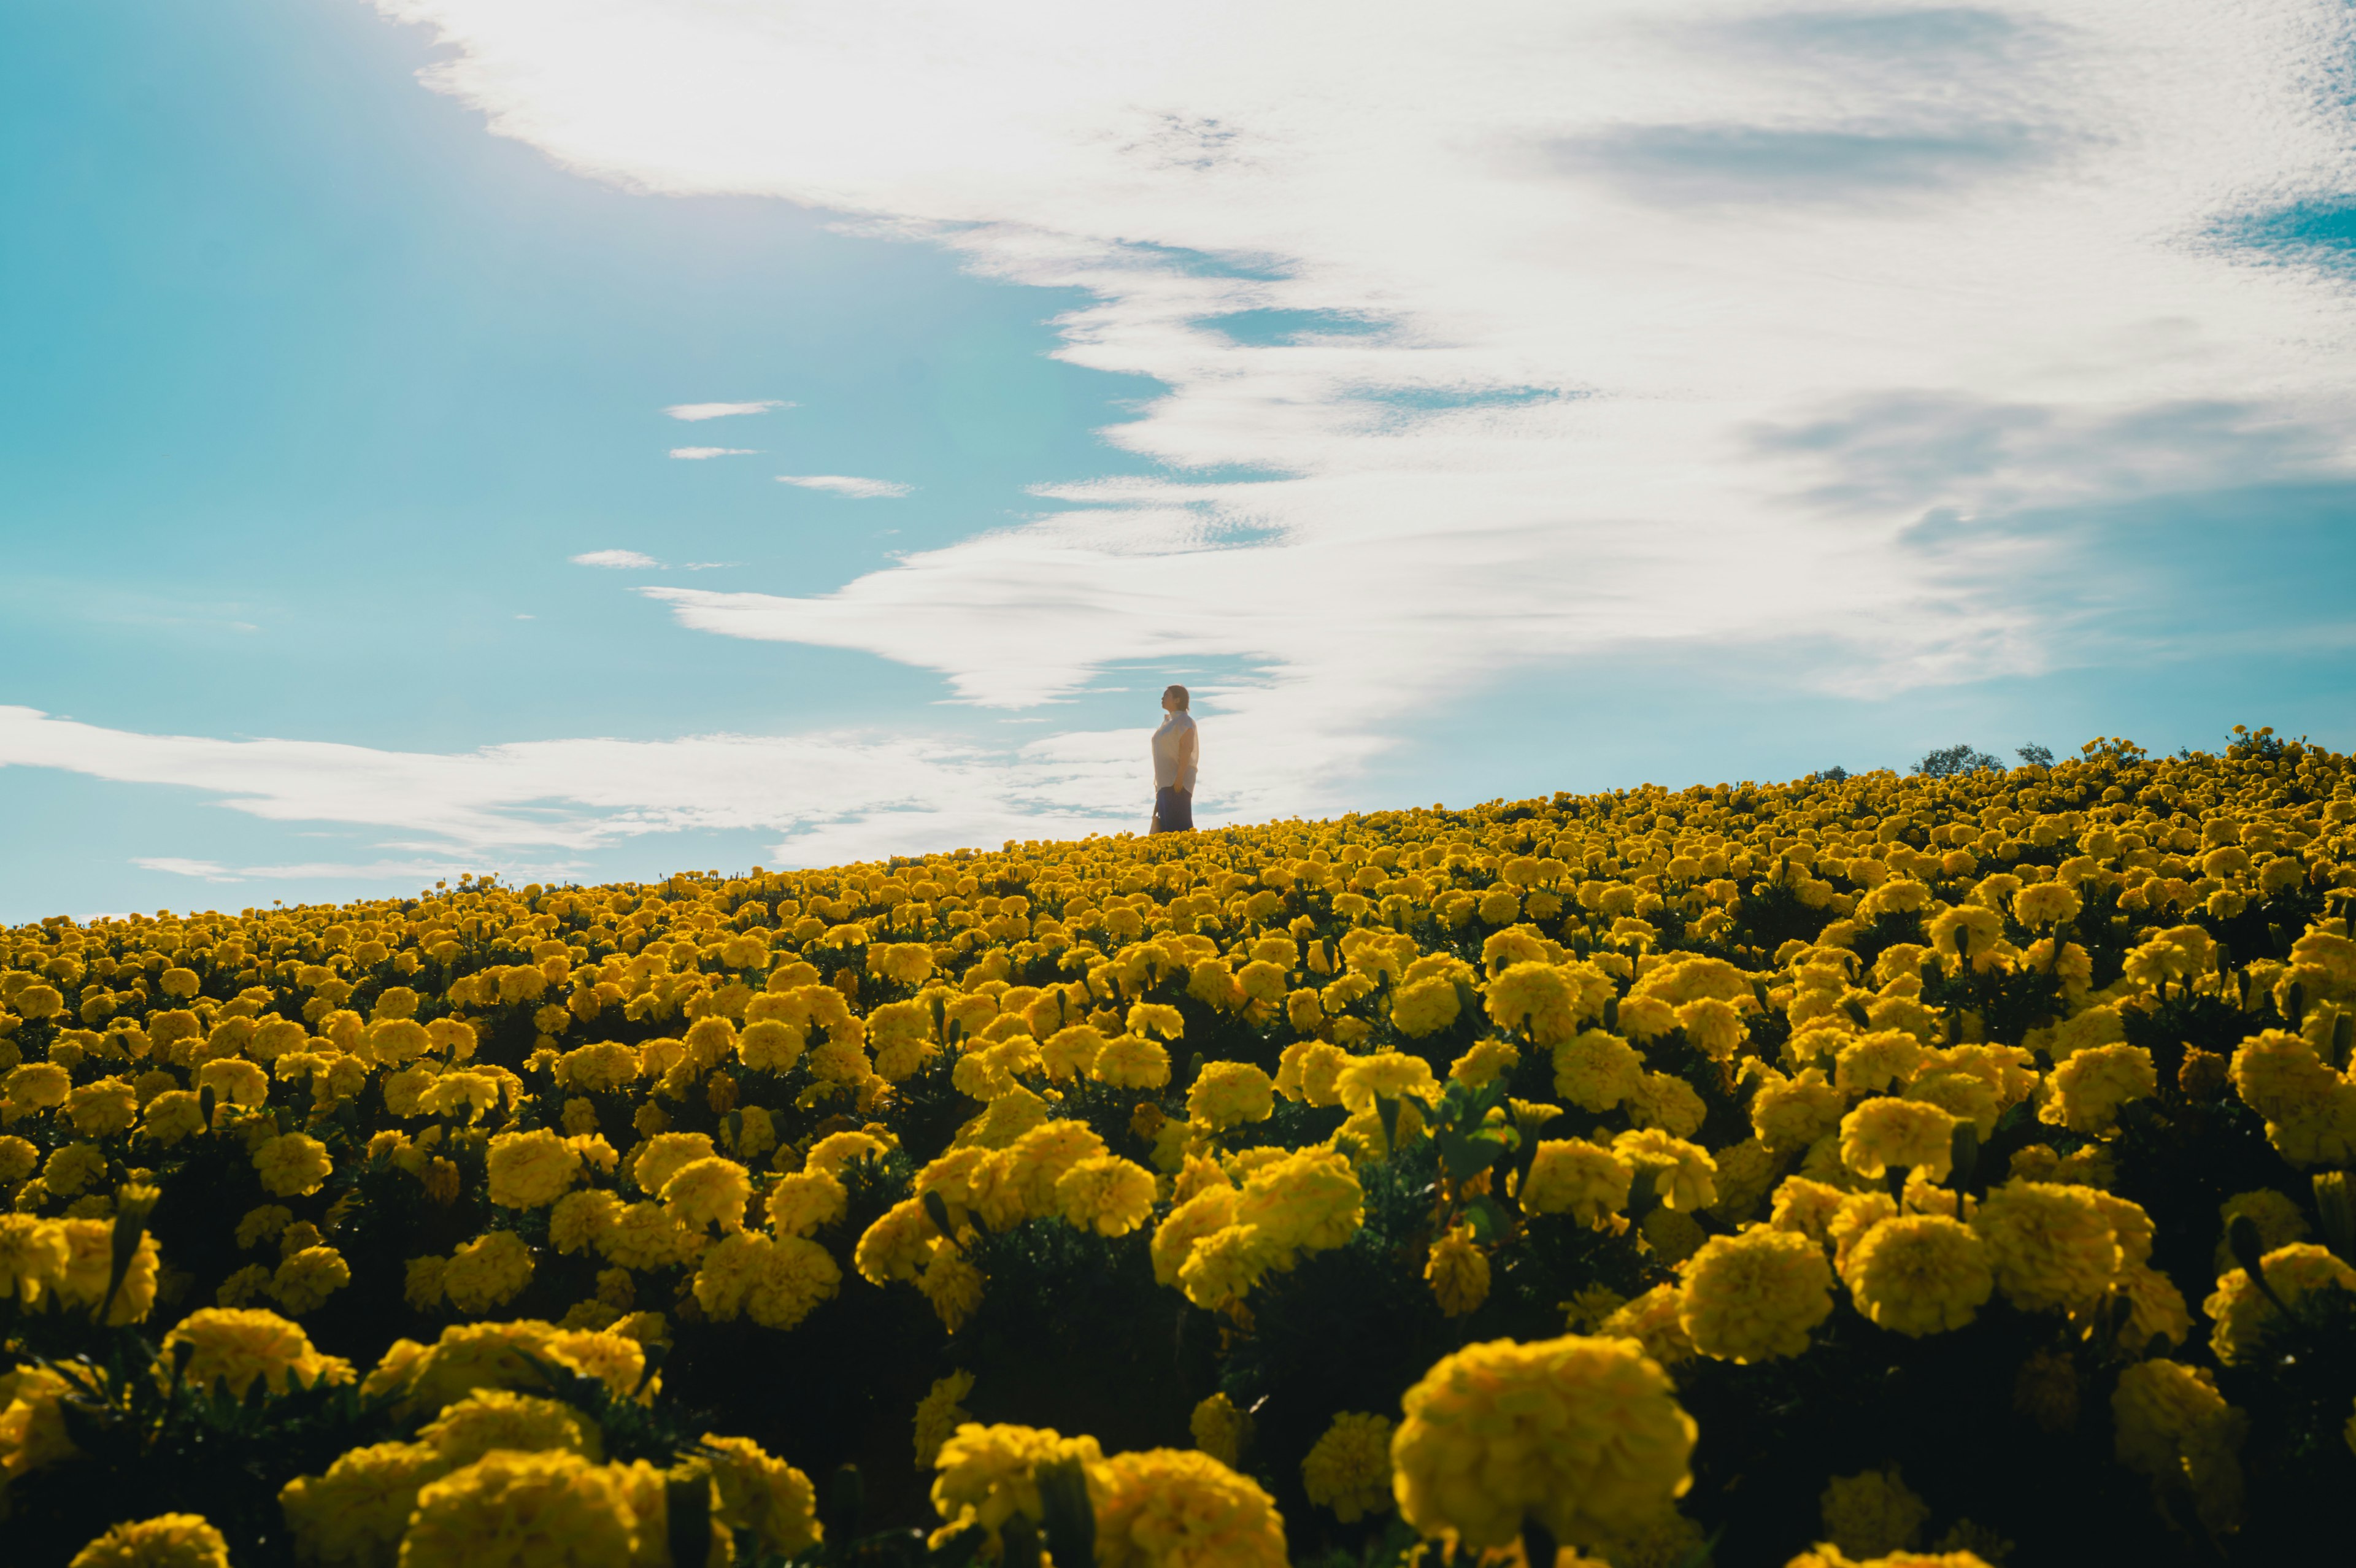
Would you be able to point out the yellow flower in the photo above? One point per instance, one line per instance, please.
(489, 1511)
(708, 1191)
(1348, 1468)
(662, 1156)
(1229, 1094)
(353, 1515)
(2040, 904)
(2244, 1318)
(1131, 1062)
(234, 1346)
(761, 1494)
(1584, 1434)
(2050, 1246)
(1753, 1297)
(938, 1414)
(292, 1164)
(1385, 1075)
(1425, 1006)
(989, 1474)
(501, 1418)
(32, 1256)
(1308, 1201)
(1792, 1112)
(308, 1277)
(2156, 1405)
(487, 1272)
(1222, 1267)
(36, 1085)
(1458, 1272)
(1106, 1194)
(168, 1540)
(1682, 1173)
(1885, 1132)
(1597, 1071)
(1873, 1513)
(531, 1170)
(1220, 1429)
(1211, 1209)
(2091, 1086)
(1918, 1273)
(470, 1356)
(1170, 1508)
(1571, 1175)
(580, 1219)
(806, 1199)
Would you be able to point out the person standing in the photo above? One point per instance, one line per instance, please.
(1175, 750)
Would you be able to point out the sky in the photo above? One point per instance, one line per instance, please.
(585, 441)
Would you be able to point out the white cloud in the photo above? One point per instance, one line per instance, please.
(845, 485)
(1547, 331)
(722, 410)
(210, 870)
(407, 872)
(697, 453)
(825, 796)
(620, 560)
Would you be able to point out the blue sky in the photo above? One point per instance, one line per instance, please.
(1650, 443)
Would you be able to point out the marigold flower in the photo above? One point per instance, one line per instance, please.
(490, 1271)
(1873, 1513)
(1918, 1273)
(1458, 1272)
(531, 1170)
(234, 1346)
(1385, 1075)
(1597, 1071)
(356, 1513)
(1165, 1508)
(1571, 1175)
(552, 1495)
(1885, 1132)
(989, 1473)
(1754, 1296)
(1682, 1173)
(1585, 1436)
(167, 1541)
(709, 1192)
(2090, 1087)
(1131, 1062)
(938, 1414)
(1105, 1193)
(1228, 1094)
(2243, 1316)
(308, 1277)
(1348, 1468)
(2050, 1246)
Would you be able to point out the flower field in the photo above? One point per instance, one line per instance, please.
(1867, 1169)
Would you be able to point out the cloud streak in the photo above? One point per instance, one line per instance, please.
(697, 453)
(617, 559)
(697, 411)
(826, 797)
(846, 485)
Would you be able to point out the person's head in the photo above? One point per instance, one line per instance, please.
(1173, 699)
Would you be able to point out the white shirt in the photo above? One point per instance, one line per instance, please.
(1175, 752)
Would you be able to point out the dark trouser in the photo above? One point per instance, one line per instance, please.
(1174, 811)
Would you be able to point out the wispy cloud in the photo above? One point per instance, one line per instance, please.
(723, 410)
(1672, 318)
(407, 872)
(209, 870)
(697, 453)
(619, 560)
(846, 485)
(825, 796)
